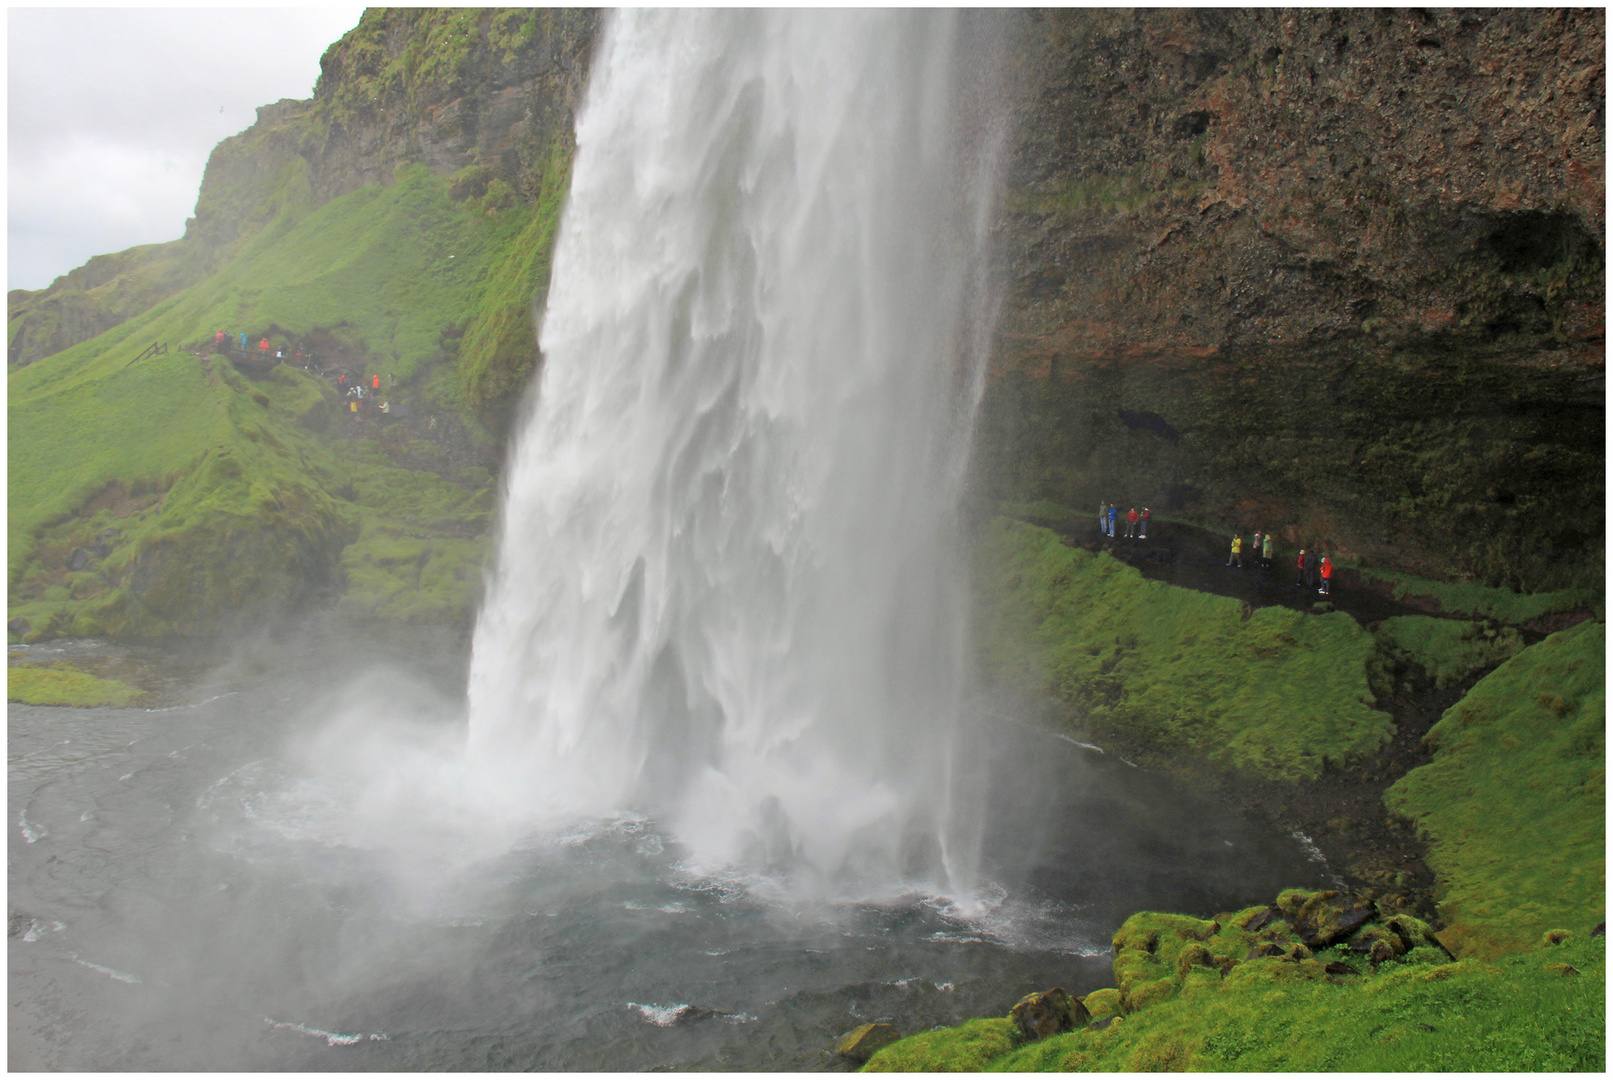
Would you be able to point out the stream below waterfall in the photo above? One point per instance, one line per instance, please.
(224, 886)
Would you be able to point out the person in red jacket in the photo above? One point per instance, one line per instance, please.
(263, 347)
(1327, 577)
(1131, 523)
(1299, 565)
(375, 382)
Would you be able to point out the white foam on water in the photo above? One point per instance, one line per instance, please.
(31, 832)
(119, 976)
(332, 1038)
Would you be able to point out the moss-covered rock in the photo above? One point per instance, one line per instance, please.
(864, 1042)
(1045, 1013)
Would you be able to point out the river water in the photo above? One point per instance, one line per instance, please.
(232, 885)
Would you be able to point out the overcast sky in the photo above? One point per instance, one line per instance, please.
(113, 111)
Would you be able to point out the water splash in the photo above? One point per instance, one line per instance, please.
(727, 590)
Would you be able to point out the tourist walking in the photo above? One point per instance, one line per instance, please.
(1142, 520)
(1327, 577)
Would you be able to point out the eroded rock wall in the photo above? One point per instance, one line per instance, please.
(1335, 273)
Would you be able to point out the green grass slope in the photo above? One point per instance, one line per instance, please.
(1514, 803)
(207, 496)
(1271, 692)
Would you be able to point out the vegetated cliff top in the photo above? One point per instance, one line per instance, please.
(487, 95)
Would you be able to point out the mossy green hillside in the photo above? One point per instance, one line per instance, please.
(1514, 803)
(64, 684)
(1540, 1011)
(1450, 650)
(1316, 981)
(1270, 692)
(423, 538)
(196, 465)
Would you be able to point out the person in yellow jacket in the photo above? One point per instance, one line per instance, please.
(1237, 552)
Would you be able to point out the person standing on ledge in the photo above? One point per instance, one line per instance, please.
(1265, 553)
(1299, 564)
(1237, 551)
(1131, 524)
(1103, 516)
(1143, 520)
(1114, 512)
(1327, 577)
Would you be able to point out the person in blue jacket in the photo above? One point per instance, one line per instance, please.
(1113, 513)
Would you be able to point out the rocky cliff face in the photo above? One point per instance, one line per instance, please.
(1338, 273)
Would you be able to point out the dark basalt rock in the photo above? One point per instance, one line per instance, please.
(78, 559)
(19, 625)
(1048, 1012)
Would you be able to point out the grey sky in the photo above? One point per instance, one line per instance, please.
(113, 111)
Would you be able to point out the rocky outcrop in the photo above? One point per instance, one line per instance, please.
(1337, 273)
(1048, 1012)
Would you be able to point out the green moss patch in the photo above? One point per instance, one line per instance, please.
(1244, 992)
(1514, 803)
(1473, 598)
(1271, 692)
(968, 1047)
(1448, 649)
(63, 684)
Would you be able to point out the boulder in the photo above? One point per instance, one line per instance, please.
(19, 625)
(1048, 1012)
(78, 559)
(1262, 919)
(863, 1043)
(1327, 917)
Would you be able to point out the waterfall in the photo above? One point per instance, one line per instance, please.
(728, 592)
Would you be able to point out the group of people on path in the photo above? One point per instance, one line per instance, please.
(221, 343)
(1136, 523)
(360, 394)
(1309, 569)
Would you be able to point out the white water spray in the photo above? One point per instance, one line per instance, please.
(727, 591)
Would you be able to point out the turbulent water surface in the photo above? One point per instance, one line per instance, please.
(719, 789)
(243, 884)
